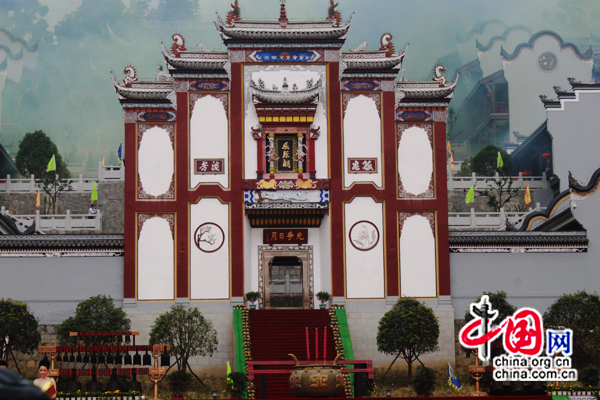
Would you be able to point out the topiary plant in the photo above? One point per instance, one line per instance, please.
(424, 381)
(179, 381)
(589, 376)
(252, 297)
(323, 297)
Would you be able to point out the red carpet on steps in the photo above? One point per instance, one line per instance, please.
(276, 333)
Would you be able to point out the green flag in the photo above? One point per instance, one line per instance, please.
(499, 163)
(470, 195)
(51, 164)
(95, 193)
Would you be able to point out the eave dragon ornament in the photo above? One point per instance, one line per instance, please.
(438, 75)
(333, 14)
(234, 14)
(386, 44)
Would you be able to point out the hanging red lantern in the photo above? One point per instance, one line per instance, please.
(525, 173)
(547, 155)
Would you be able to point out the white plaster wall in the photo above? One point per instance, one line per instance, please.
(209, 272)
(156, 262)
(415, 160)
(417, 258)
(468, 49)
(526, 82)
(156, 161)
(490, 61)
(577, 122)
(365, 270)
(274, 74)
(209, 138)
(362, 138)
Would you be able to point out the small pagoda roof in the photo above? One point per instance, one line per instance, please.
(425, 90)
(379, 59)
(195, 60)
(144, 91)
(237, 29)
(286, 96)
(261, 30)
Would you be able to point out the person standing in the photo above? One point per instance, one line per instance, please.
(46, 384)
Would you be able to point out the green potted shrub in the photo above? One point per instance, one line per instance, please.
(252, 297)
(424, 381)
(238, 384)
(323, 298)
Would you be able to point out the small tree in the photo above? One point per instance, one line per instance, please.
(579, 312)
(498, 302)
(408, 330)
(96, 314)
(35, 151)
(188, 333)
(18, 329)
(485, 163)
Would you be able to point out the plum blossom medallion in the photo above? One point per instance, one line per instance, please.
(364, 235)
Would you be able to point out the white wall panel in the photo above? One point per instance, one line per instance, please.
(415, 161)
(362, 138)
(209, 264)
(418, 276)
(156, 161)
(155, 259)
(209, 137)
(365, 267)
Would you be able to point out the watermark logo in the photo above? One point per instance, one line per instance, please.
(523, 340)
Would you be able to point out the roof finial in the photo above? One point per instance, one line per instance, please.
(283, 20)
(234, 14)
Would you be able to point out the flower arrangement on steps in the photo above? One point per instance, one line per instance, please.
(247, 351)
(339, 347)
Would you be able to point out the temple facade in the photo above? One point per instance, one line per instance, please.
(287, 166)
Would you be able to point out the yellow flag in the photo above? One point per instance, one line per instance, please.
(499, 162)
(470, 195)
(229, 381)
(449, 147)
(95, 193)
(452, 162)
(103, 160)
(37, 200)
(51, 164)
(527, 199)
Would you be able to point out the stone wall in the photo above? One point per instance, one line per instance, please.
(110, 202)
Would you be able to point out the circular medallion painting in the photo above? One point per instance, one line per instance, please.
(364, 235)
(209, 237)
(547, 61)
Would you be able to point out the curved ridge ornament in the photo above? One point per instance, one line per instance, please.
(386, 44)
(130, 75)
(437, 71)
(178, 44)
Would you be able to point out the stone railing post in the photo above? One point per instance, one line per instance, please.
(68, 220)
(80, 183)
(502, 217)
(100, 170)
(98, 221)
(32, 183)
(37, 219)
(474, 179)
(473, 223)
(7, 183)
(520, 181)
